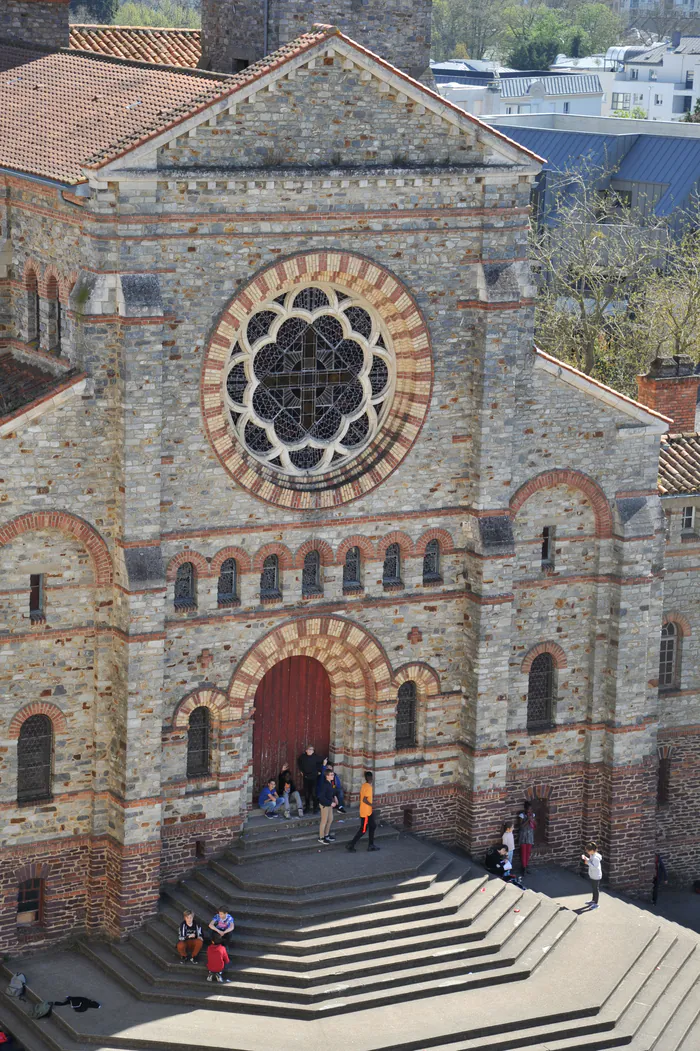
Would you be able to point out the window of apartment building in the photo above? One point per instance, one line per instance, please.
(658, 100)
(620, 100)
(689, 78)
(688, 520)
(634, 74)
(566, 107)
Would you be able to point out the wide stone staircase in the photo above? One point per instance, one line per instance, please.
(405, 949)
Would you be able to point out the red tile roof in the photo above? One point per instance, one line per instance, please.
(165, 47)
(679, 464)
(69, 110)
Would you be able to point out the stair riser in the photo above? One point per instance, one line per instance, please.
(255, 852)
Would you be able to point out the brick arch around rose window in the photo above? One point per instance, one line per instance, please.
(70, 524)
(575, 480)
(443, 538)
(393, 301)
(201, 567)
(243, 560)
(284, 556)
(52, 711)
(325, 552)
(367, 548)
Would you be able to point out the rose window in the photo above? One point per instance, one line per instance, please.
(310, 380)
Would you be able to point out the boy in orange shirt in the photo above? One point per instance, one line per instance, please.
(367, 822)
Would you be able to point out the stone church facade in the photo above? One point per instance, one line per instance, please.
(270, 401)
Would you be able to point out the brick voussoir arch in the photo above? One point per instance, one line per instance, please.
(201, 566)
(365, 545)
(441, 535)
(557, 653)
(51, 274)
(32, 870)
(209, 697)
(396, 537)
(283, 553)
(31, 273)
(53, 712)
(576, 480)
(680, 621)
(425, 677)
(325, 552)
(355, 661)
(241, 556)
(65, 522)
(410, 337)
(540, 791)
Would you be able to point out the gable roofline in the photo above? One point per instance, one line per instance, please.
(654, 422)
(295, 51)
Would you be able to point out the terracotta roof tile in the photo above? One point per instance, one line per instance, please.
(166, 47)
(679, 464)
(69, 110)
(22, 383)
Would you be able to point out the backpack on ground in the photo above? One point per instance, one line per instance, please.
(17, 985)
(43, 1009)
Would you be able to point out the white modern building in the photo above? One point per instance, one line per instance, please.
(664, 81)
(544, 93)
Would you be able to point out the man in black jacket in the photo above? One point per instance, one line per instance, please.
(310, 765)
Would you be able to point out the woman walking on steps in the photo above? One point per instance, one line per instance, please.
(526, 834)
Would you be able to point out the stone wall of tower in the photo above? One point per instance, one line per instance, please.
(31, 23)
(233, 34)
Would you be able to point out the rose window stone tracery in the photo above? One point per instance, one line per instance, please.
(310, 380)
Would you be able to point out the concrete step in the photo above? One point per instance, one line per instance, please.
(301, 839)
(257, 826)
(665, 1027)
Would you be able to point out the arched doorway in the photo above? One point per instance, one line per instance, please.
(292, 709)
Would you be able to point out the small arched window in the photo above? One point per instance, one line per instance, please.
(431, 563)
(185, 596)
(311, 574)
(352, 569)
(54, 315)
(270, 578)
(669, 657)
(30, 902)
(406, 716)
(34, 759)
(198, 735)
(391, 576)
(33, 308)
(227, 593)
(540, 692)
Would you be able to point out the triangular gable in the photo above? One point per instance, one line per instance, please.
(324, 42)
(641, 417)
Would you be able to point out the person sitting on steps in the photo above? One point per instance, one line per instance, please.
(191, 938)
(286, 789)
(326, 798)
(336, 785)
(310, 765)
(223, 925)
(270, 803)
(367, 820)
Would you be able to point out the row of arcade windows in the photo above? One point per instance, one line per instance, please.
(311, 581)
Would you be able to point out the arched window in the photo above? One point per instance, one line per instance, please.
(270, 578)
(352, 568)
(670, 657)
(391, 576)
(30, 902)
(311, 574)
(540, 692)
(34, 759)
(431, 563)
(228, 583)
(54, 317)
(198, 733)
(406, 716)
(33, 308)
(185, 597)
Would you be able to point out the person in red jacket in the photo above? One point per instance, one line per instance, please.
(217, 958)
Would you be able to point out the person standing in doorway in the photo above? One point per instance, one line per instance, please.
(526, 834)
(327, 801)
(310, 765)
(367, 819)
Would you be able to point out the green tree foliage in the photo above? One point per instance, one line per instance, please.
(164, 13)
(102, 12)
(694, 116)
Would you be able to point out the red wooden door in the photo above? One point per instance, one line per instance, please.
(292, 709)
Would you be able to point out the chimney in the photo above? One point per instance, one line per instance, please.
(35, 23)
(671, 388)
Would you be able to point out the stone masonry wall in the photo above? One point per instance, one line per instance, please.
(35, 22)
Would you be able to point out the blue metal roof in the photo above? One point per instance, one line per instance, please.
(565, 149)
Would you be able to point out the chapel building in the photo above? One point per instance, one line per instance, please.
(279, 465)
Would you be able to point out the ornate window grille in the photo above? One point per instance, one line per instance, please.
(663, 786)
(351, 570)
(185, 587)
(310, 380)
(311, 574)
(270, 578)
(198, 734)
(431, 563)
(540, 692)
(406, 716)
(391, 577)
(37, 614)
(669, 657)
(227, 593)
(34, 759)
(30, 902)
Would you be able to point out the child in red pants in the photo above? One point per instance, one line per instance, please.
(526, 834)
